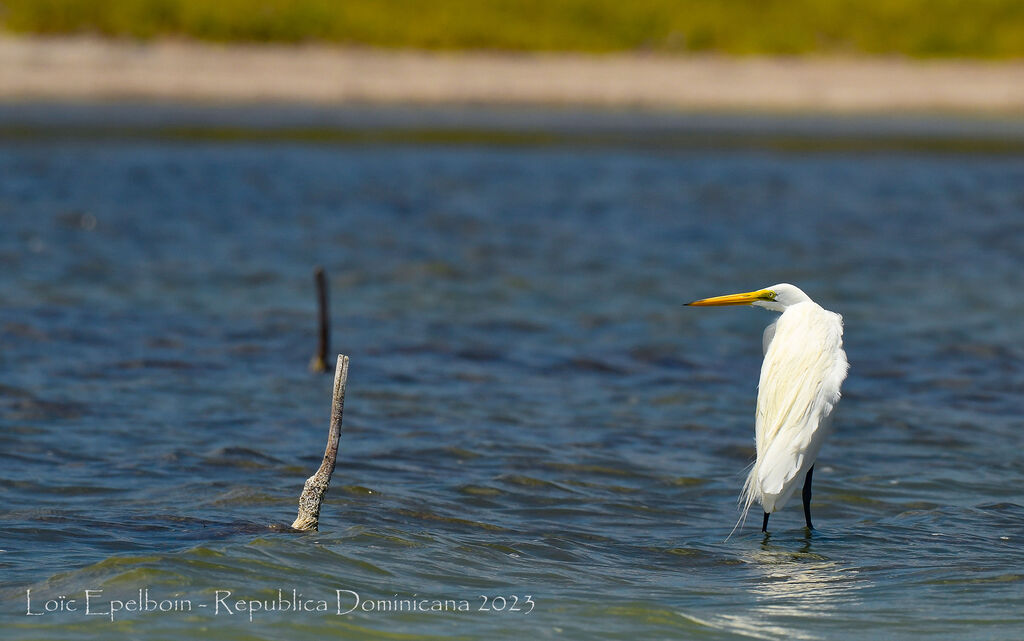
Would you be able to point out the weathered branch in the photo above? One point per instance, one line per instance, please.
(319, 361)
(316, 485)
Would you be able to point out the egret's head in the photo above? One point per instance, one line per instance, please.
(776, 298)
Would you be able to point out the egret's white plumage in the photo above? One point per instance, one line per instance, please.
(804, 367)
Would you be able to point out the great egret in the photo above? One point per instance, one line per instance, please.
(804, 367)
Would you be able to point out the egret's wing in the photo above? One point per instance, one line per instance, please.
(803, 369)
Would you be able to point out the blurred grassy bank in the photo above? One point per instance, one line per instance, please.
(919, 28)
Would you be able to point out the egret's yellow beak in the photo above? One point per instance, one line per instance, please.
(746, 298)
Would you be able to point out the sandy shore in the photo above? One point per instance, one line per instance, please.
(93, 69)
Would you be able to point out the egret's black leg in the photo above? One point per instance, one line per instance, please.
(764, 524)
(807, 498)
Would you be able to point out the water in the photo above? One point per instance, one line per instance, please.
(533, 421)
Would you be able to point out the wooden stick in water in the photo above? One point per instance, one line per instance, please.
(319, 360)
(316, 485)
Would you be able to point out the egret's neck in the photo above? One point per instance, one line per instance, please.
(770, 305)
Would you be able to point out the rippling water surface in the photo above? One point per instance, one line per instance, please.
(530, 412)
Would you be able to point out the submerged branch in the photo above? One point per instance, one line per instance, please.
(316, 485)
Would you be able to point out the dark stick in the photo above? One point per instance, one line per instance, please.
(319, 361)
(316, 485)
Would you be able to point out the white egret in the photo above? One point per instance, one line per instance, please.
(804, 367)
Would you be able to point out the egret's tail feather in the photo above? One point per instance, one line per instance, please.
(747, 498)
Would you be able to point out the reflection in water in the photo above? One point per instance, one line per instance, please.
(800, 585)
(793, 587)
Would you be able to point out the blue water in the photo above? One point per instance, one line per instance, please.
(531, 414)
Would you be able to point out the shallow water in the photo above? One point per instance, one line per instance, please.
(530, 411)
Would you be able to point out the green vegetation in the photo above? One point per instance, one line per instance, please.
(923, 28)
